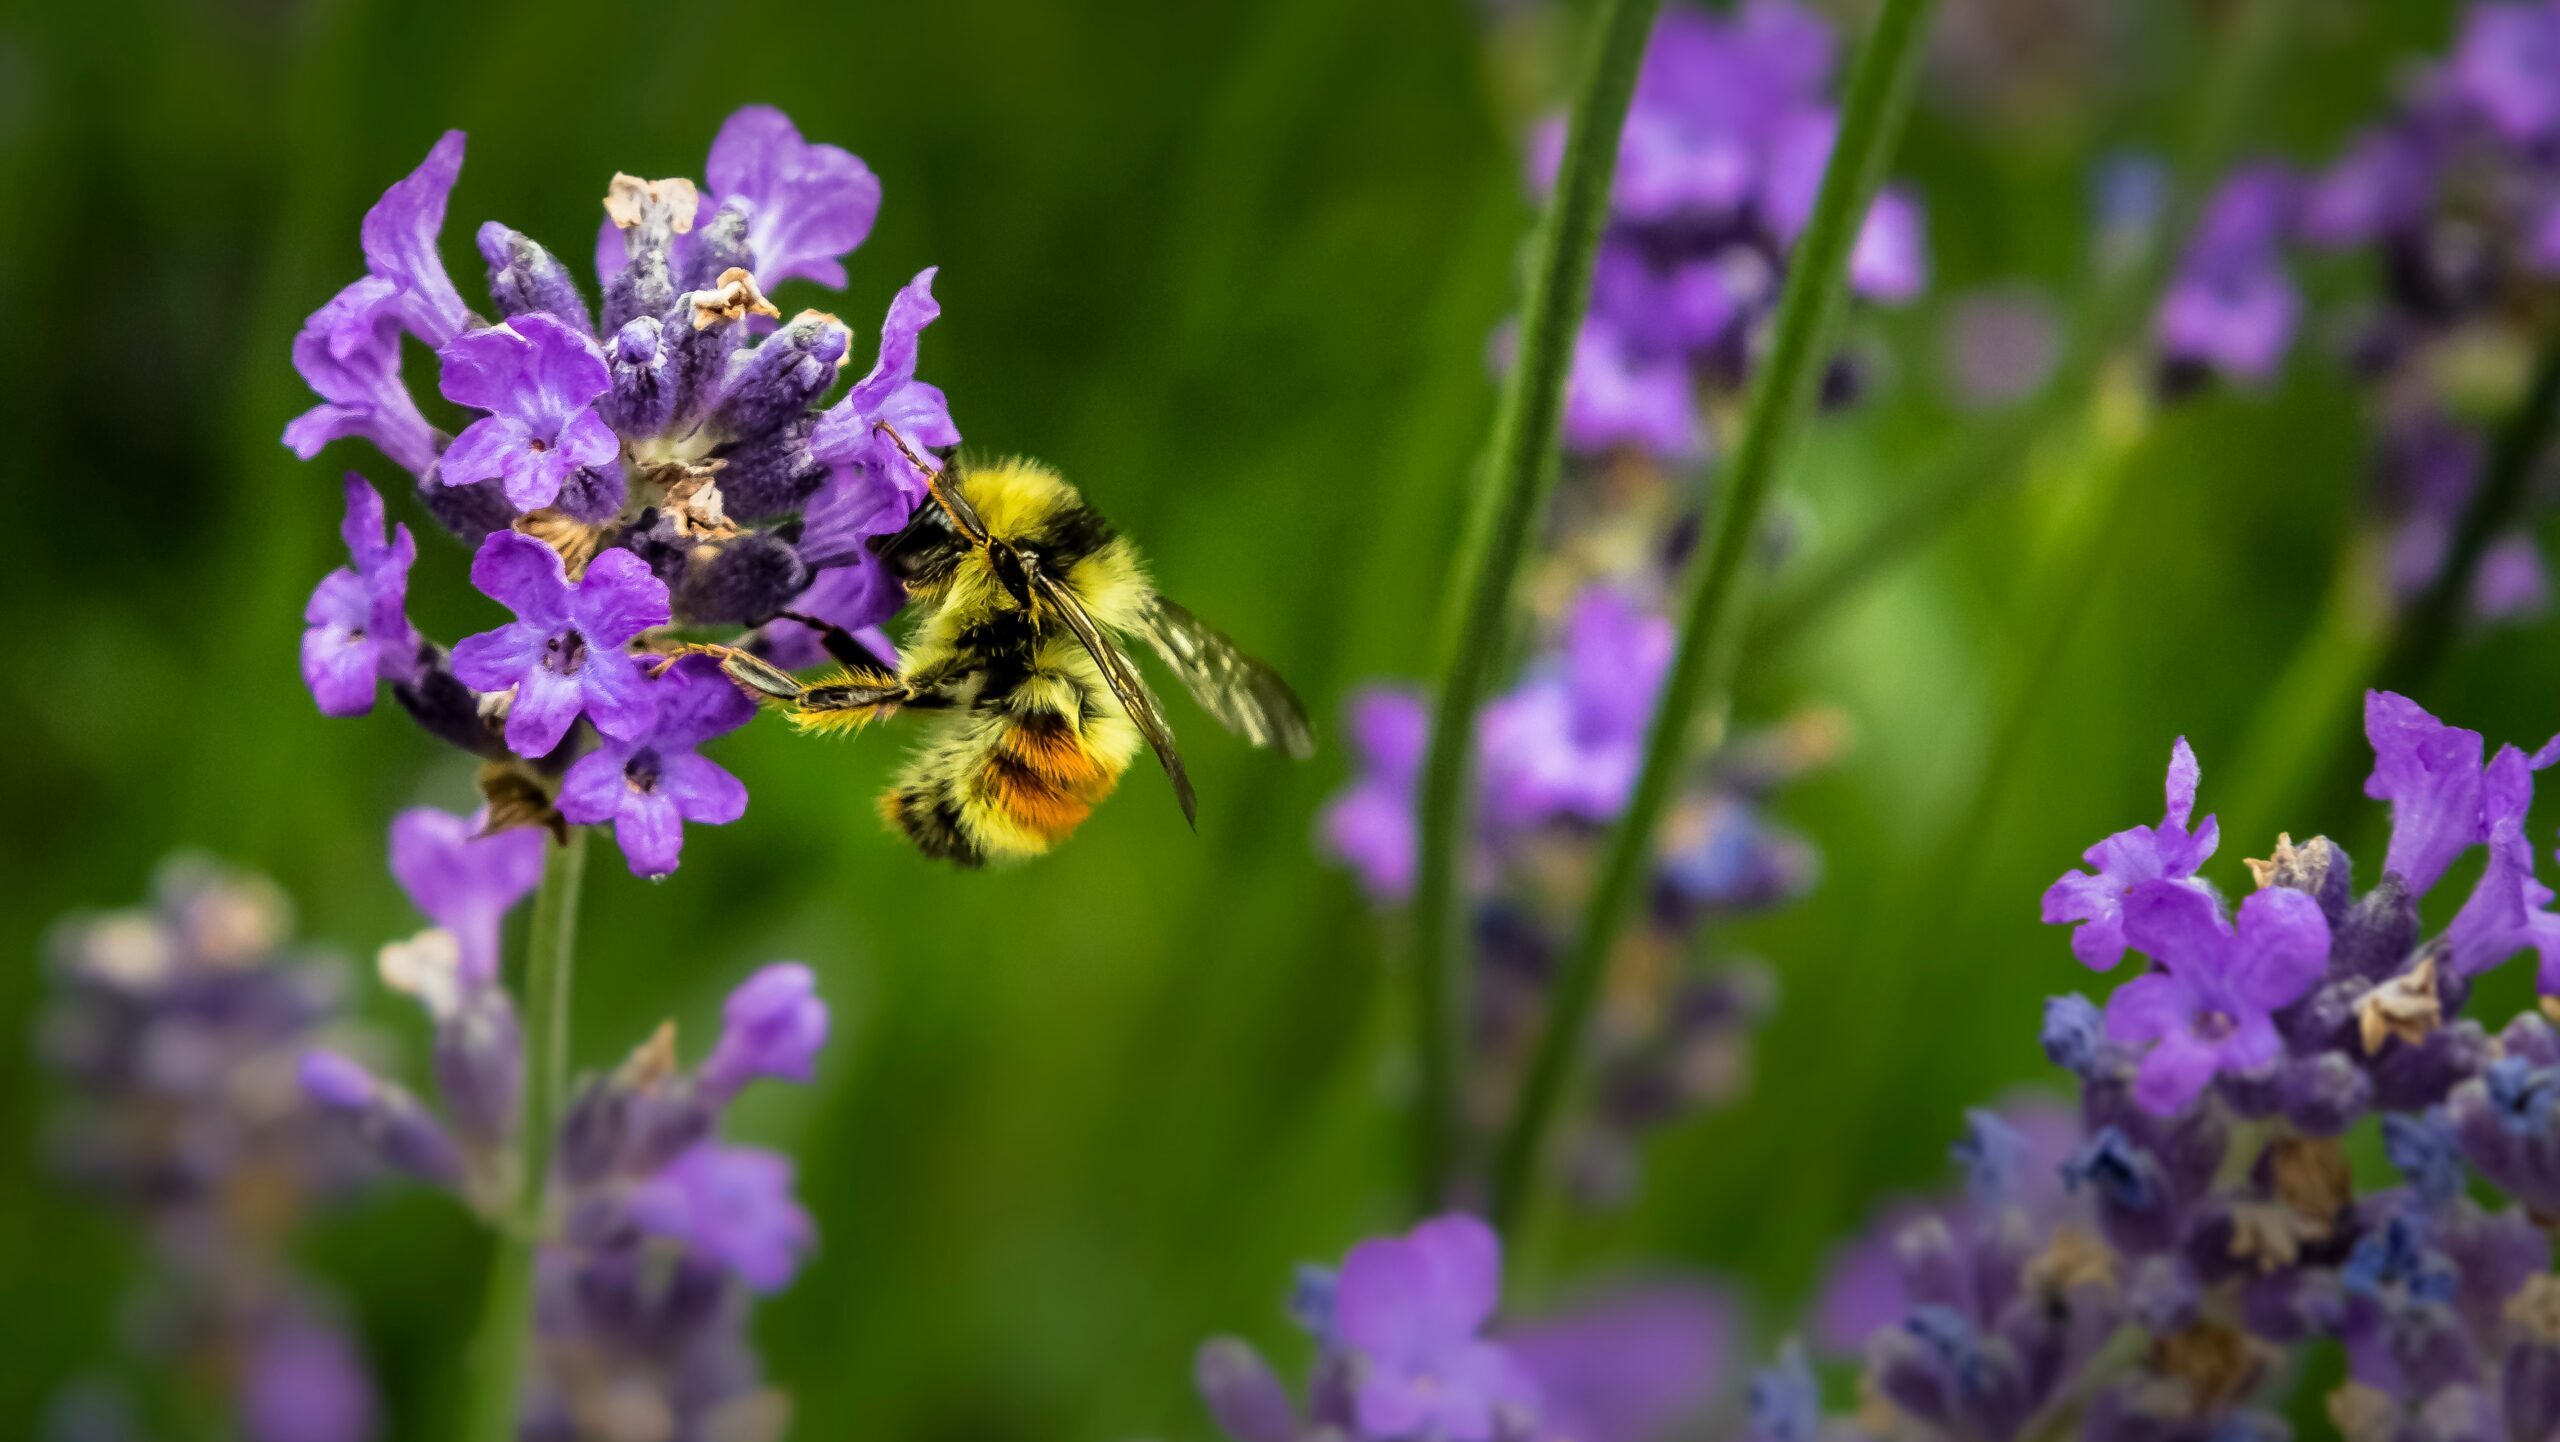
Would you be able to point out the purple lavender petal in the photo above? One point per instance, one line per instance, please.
(734, 1206)
(617, 599)
(349, 353)
(399, 236)
(305, 1383)
(463, 881)
(2431, 775)
(1627, 1365)
(527, 577)
(2502, 67)
(773, 1025)
(811, 203)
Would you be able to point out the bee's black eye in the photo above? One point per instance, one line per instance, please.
(926, 547)
(1011, 572)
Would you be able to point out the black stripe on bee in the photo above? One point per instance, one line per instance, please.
(1069, 537)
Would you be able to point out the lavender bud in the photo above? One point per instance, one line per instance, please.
(338, 1081)
(470, 512)
(698, 358)
(479, 1066)
(773, 1026)
(2413, 1078)
(524, 278)
(1242, 1394)
(2532, 1039)
(2131, 1193)
(2075, 1035)
(719, 244)
(2378, 933)
(448, 710)
(643, 398)
(644, 286)
(2427, 1154)
(742, 581)
(2325, 1093)
(783, 376)
(772, 473)
(594, 494)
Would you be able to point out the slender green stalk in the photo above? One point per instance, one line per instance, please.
(506, 1319)
(1879, 98)
(1520, 471)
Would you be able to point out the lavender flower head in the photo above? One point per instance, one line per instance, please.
(668, 457)
(2166, 852)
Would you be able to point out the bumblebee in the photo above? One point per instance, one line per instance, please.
(1023, 590)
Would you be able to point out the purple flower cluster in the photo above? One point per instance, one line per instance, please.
(1557, 755)
(2450, 205)
(172, 1032)
(1718, 166)
(2207, 1222)
(1407, 1348)
(668, 458)
(660, 1232)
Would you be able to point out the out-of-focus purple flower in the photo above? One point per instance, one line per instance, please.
(2502, 67)
(539, 379)
(648, 785)
(2380, 186)
(358, 623)
(808, 204)
(305, 1383)
(1785, 1403)
(563, 653)
(1629, 1363)
(1890, 261)
(2232, 308)
(2000, 346)
(1413, 1310)
(2127, 198)
(465, 881)
(1370, 826)
(2208, 1011)
(1616, 397)
(733, 1204)
(349, 352)
(773, 1026)
(2166, 852)
(1569, 742)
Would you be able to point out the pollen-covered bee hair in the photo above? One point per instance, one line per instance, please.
(1023, 590)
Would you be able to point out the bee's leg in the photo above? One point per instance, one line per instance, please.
(843, 645)
(744, 667)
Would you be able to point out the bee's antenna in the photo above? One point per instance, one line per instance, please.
(962, 514)
(929, 473)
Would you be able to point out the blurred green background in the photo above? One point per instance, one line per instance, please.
(1234, 268)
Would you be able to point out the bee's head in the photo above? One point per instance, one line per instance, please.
(924, 553)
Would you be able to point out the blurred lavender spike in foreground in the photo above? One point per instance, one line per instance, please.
(172, 1035)
(1408, 1347)
(662, 1233)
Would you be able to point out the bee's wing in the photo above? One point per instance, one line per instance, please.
(1125, 683)
(1246, 696)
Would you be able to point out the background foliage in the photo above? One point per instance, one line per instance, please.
(1234, 268)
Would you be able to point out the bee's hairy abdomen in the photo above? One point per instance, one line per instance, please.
(1020, 770)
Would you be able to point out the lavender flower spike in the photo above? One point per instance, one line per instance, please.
(774, 1027)
(465, 881)
(563, 653)
(2209, 1010)
(650, 784)
(1413, 1309)
(539, 380)
(2166, 852)
(1370, 826)
(358, 626)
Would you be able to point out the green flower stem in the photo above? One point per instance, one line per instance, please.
(1816, 288)
(506, 1319)
(1520, 471)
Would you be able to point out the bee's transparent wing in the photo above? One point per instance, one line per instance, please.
(1246, 696)
(1126, 684)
